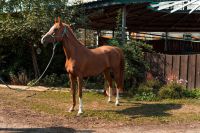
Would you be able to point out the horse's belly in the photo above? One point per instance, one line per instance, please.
(93, 70)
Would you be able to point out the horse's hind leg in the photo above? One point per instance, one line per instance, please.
(80, 82)
(73, 92)
(109, 82)
(118, 86)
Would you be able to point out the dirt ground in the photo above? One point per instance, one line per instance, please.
(23, 120)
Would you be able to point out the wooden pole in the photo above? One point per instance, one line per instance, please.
(166, 40)
(98, 34)
(113, 33)
(85, 34)
(35, 64)
(123, 25)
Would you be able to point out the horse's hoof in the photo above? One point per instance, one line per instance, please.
(117, 104)
(79, 113)
(109, 101)
(71, 109)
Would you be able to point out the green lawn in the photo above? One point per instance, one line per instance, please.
(96, 106)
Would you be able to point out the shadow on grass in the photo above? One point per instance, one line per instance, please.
(44, 130)
(149, 110)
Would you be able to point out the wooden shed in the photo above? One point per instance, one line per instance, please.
(174, 57)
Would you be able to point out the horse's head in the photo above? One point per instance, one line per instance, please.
(56, 33)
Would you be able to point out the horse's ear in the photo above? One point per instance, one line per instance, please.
(59, 20)
(55, 21)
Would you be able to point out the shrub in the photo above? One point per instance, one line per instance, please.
(20, 78)
(192, 93)
(146, 96)
(148, 90)
(149, 86)
(197, 93)
(31, 83)
(172, 90)
(135, 64)
(55, 80)
(144, 88)
(94, 82)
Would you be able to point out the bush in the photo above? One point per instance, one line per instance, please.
(172, 90)
(148, 90)
(20, 78)
(144, 88)
(55, 80)
(146, 96)
(150, 86)
(135, 64)
(192, 93)
(94, 82)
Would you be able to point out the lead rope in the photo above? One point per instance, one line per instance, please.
(54, 47)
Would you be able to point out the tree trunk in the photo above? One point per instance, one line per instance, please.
(35, 64)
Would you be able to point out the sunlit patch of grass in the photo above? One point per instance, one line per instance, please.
(53, 95)
(45, 108)
(106, 114)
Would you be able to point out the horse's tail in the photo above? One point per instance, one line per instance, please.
(122, 69)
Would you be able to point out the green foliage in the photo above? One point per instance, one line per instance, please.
(31, 83)
(154, 84)
(147, 90)
(94, 82)
(55, 80)
(152, 90)
(19, 79)
(22, 23)
(172, 90)
(192, 93)
(144, 88)
(146, 96)
(52, 80)
(135, 65)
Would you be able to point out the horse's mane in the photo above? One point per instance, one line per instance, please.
(73, 36)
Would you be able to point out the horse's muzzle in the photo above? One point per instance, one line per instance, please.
(42, 40)
(46, 39)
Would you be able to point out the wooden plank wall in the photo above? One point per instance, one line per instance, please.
(186, 67)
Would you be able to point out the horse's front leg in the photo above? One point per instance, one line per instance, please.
(73, 92)
(80, 84)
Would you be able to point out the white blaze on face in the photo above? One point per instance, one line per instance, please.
(48, 33)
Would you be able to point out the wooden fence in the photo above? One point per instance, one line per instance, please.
(186, 67)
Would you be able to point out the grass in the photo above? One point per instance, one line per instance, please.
(96, 106)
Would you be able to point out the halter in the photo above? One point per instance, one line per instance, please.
(54, 37)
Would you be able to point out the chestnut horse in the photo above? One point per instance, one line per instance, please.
(83, 62)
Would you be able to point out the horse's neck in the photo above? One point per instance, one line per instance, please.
(73, 48)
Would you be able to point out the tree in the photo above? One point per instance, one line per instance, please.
(22, 22)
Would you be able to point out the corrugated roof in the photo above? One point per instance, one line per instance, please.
(103, 3)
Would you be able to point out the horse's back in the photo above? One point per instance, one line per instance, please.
(108, 50)
(112, 53)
